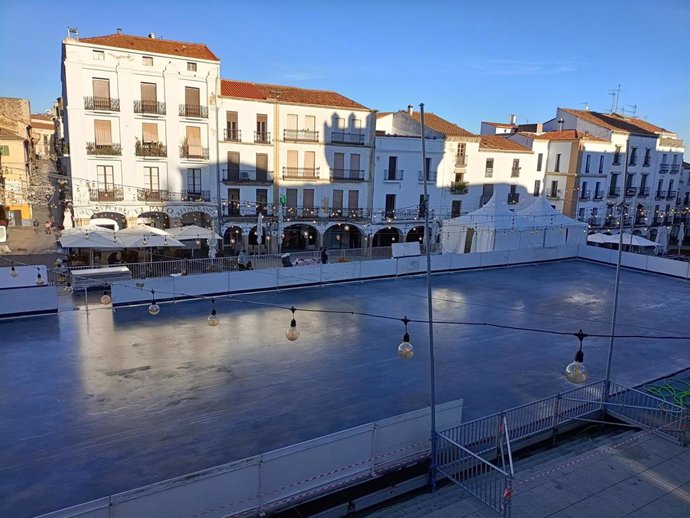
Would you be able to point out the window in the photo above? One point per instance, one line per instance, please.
(554, 189)
(191, 66)
(633, 156)
(151, 179)
(192, 100)
(392, 173)
(597, 191)
(337, 202)
(310, 163)
(308, 198)
(292, 162)
(339, 165)
(647, 157)
(601, 164)
(540, 159)
(675, 159)
(537, 187)
(149, 98)
(617, 156)
(102, 133)
(515, 171)
(513, 195)
(581, 214)
(45, 140)
(106, 177)
(101, 94)
(310, 123)
(558, 163)
(231, 132)
(291, 198)
(98, 55)
(489, 170)
(261, 200)
(664, 158)
(261, 128)
(353, 201)
(194, 181)
(5, 150)
(292, 121)
(355, 159)
(455, 208)
(147, 61)
(390, 205)
(587, 163)
(193, 138)
(233, 160)
(261, 167)
(356, 125)
(149, 132)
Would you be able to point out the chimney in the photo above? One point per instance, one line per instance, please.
(119, 30)
(152, 35)
(410, 109)
(560, 124)
(513, 119)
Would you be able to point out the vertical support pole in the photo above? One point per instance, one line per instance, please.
(555, 417)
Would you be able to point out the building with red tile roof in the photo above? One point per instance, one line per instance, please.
(501, 143)
(153, 45)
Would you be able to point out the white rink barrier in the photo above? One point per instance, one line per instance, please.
(20, 296)
(281, 478)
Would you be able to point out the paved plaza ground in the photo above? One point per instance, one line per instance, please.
(100, 403)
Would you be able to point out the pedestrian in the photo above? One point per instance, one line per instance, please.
(36, 225)
(324, 255)
(48, 227)
(242, 259)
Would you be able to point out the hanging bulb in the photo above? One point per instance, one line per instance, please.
(405, 349)
(105, 299)
(576, 372)
(213, 318)
(13, 272)
(154, 308)
(146, 241)
(292, 333)
(39, 279)
(69, 289)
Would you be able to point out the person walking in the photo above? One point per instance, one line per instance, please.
(36, 225)
(324, 255)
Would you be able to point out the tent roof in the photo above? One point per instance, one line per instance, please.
(193, 232)
(542, 212)
(492, 214)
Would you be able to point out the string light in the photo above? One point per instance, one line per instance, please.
(105, 299)
(212, 318)
(154, 308)
(292, 333)
(576, 372)
(13, 271)
(405, 349)
(69, 289)
(39, 279)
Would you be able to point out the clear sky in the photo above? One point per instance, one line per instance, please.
(467, 61)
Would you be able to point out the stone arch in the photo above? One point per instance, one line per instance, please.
(386, 236)
(198, 218)
(343, 235)
(118, 219)
(300, 236)
(154, 219)
(415, 234)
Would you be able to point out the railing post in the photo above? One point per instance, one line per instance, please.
(506, 501)
(554, 422)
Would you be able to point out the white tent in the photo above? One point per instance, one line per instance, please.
(143, 236)
(628, 239)
(90, 237)
(662, 240)
(558, 229)
(192, 232)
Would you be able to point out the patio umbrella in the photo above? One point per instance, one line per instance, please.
(601, 238)
(681, 235)
(662, 239)
(259, 228)
(90, 237)
(143, 236)
(190, 232)
(631, 239)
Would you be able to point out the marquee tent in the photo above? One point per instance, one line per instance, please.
(558, 229)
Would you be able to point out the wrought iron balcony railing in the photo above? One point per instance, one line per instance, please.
(347, 175)
(630, 192)
(262, 137)
(644, 192)
(430, 177)
(194, 111)
(458, 188)
(675, 168)
(93, 148)
(107, 104)
(109, 193)
(196, 195)
(152, 195)
(460, 160)
(257, 177)
(598, 195)
(292, 135)
(344, 137)
(614, 192)
(489, 172)
(150, 107)
(150, 149)
(664, 168)
(671, 194)
(393, 175)
(197, 152)
(660, 195)
(586, 195)
(513, 198)
(299, 173)
(515, 172)
(232, 135)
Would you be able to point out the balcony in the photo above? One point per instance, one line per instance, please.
(347, 175)
(300, 173)
(630, 192)
(196, 152)
(460, 160)
(152, 195)
(644, 192)
(671, 195)
(513, 198)
(598, 195)
(292, 135)
(103, 149)
(255, 177)
(586, 195)
(515, 172)
(614, 192)
(150, 149)
(149, 107)
(554, 195)
(262, 137)
(194, 111)
(393, 175)
(616, 159)
(195, 196)
(489, 172)
(660, 195)
(675, 168)
(106, 104)
(343, 137)
(430, 177)
(458, 188)
(664, 168)
(646, 163)
(232, 135)
(110, 193)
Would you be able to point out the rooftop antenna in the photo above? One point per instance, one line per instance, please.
(72, 33)
(615, 96)
(634, 109)
(586, 105)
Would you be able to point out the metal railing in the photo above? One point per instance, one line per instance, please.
(344, 137)
(630, 191)
(515, 172)
(460, 160)
(108, 104)
(151, 107)
(489, 172)
(195, 196)
(585, 195)
(162, 195)
(114, 193)
(598, 195)
(232, 135)
(430, 176)
(193, 110)
(393, 175)
(675, 168)
(664, 168)
(660, 194)
(644, 192)
(297, 173)
(671, 194)
(293, 135)
(458, 187)
(614, 192)
(150, 149)
(347, 175)
(262, 137)
(513, 198)
(256, 177)
(92, 148)
(194, 152)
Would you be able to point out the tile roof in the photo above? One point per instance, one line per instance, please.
(380, 115)
(42, 116)
(565, 135)
(6, 134)
(42, 125)
(439, 124)
(287, 94)
(500, 124)
(154, 45)
(501, 143)
(616, 122)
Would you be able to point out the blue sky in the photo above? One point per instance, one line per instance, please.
(467, 61)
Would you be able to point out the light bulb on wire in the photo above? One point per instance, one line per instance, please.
(213, 318)
(576, 372)
(39, 279)
(405, 349)
(292, 333)
(154, 308)
(13, 271)
(105, 299)
(69, 289)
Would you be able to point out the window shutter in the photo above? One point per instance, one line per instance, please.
(102, 132)
(101, 88)
(150, 132)
(148, 92)
(191, 96)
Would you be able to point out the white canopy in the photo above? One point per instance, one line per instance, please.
(192, 232)
(143, 236)
(628, 239)
(558, 229)
(90, 237)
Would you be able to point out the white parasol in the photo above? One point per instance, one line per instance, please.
(143, 236)
(90, 237)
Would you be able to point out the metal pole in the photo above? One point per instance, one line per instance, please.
(427, 242)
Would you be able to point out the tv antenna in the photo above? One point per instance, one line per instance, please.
(634, 109)
(586, 106)
(615, 94)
